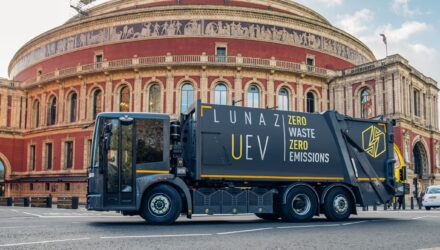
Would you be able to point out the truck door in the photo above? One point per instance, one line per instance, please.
(119, 190)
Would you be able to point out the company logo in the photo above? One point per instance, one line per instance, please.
(373, 141)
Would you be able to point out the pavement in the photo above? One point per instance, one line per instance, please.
(52, 228)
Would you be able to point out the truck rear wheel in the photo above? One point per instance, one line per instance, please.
(161, 205)
(301, 205)
(338, 204)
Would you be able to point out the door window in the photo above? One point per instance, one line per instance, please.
(112, 159)
(149, 134)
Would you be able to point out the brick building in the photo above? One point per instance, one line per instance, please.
(162, 55)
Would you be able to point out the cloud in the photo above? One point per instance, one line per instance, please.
(331, 2)
(401, 7)
(404, 32)
(355, 23)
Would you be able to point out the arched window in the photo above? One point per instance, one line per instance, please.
(253, 96)
(187, 97)
(2, 171)
(283, 99)
(366, 104)
(73, 102)
(154, 98)
(36, 114)
(52, 111)
(97, 102)
(311, 102)
(124, 99)
(220, 94)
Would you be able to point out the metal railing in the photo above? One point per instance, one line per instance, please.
(178, 60)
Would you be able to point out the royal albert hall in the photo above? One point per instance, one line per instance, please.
(163, 55)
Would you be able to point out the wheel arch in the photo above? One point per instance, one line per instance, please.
(145, 183)
(288, 188)
(336, 185)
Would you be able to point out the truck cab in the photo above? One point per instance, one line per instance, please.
(126, 147)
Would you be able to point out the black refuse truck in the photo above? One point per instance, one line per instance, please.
(221, 159)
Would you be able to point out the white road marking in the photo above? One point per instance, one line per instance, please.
(309, 226)
(154, 236)
(37, 215)
(352, 223)
(13, 210)
(41, 242)
(421, 217)
(245, 231)
(11, 227)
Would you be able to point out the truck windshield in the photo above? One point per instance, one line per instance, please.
(435, 190)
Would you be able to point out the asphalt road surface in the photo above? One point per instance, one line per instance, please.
(45, 228)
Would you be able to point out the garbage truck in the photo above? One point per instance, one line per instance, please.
(219, 159)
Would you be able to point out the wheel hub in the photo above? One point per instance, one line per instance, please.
(340, 204)
(301, 204)
(159, 204)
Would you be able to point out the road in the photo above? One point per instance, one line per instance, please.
(51, 228)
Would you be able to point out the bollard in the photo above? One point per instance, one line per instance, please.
(412, 203)
(6, 201)
(21, 201)
(41, 201)
(403, 204)
(374, 207)
(68, 202)
(385, 206)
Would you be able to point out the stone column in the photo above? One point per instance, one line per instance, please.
(271, 91)
(325, 105)
(204, 86)
(108, 94)
(300, 95)
(379, 97)
(388, 95)
(82, 101)
(238, 85)
(169, 92)
(43, 110)
(61, 112)
(24, 111)
(349, 101)
(3, 108)
(137, 93)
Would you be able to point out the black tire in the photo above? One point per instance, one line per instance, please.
(301, 205)
(161, 205)
(271, 217)
(428, 208)
(338, 204)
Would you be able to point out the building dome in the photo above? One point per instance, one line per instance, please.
(290, 28)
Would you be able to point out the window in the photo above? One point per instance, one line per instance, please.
(73, 107)
(416, 102)
(68, 147)
(149, 135)
(67, 186)
(187, 97)
(32, 158)
(283, 99)
(2, 171)
(154, 99)
(97, 103)
(99, 58)
(366, 104)
(220, 94)
(48, 155)
(124, 99)
(253, 96)
(310, 61)
(310, 105)
(36, 114)
(220, 54)
(31, 186)
(52, 111)
(47, 186)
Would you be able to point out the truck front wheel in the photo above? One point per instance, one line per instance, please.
(338, 204)
(301, 205)
(161, 205)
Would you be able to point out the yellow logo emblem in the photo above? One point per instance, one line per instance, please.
(373, 141)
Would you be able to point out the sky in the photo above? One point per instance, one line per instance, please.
(412, 27)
